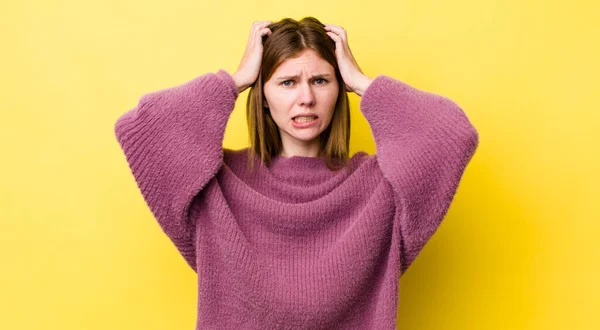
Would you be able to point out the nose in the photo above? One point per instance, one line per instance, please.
(306, 96)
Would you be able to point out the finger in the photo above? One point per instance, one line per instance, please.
(256, 23)
(338, 30)
(264, 31)
(342, 34)
(257, 26)
(261, 24)
(332, 25)
(341, 46)
(336, 38)
(259, 30)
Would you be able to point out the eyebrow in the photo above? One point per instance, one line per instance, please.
(320, 75)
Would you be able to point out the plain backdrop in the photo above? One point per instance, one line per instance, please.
(518, 249)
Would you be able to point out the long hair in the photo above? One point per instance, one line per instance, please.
(287, 40)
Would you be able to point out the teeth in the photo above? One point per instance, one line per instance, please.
(304, 119)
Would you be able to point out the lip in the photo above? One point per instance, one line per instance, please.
(303, 125)
(306, 114)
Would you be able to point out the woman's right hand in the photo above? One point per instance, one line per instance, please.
(248, 70)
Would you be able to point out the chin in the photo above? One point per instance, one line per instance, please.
(304, 135)
(306, 138)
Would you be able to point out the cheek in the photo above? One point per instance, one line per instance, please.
(280, 109)
(329, 99)
(280, 106)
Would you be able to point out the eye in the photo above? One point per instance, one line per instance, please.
(284, 83)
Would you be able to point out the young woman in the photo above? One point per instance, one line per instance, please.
(292, 232)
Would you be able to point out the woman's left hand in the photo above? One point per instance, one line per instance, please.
(354, 79)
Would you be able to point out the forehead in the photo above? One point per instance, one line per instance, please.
(307, 62)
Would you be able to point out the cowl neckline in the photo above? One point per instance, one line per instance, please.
(300, 169)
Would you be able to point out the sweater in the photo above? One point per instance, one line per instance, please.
(294, 245)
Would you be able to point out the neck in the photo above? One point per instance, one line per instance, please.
(311, 149)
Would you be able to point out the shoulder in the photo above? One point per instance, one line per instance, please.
(361, 158)
(229, 153)
(235, 158)
(367, 165)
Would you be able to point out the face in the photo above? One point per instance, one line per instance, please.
(304, 84)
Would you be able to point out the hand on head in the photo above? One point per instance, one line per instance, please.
(354, 79)
(249, 68)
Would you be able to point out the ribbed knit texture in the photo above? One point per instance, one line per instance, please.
(295, 245)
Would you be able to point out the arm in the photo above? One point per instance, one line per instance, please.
(424, 142)
(172, 141)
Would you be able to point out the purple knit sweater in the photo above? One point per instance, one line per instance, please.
(295, 245)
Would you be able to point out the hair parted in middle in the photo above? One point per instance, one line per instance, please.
(289, 38)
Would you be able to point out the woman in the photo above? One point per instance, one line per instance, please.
(310, 238)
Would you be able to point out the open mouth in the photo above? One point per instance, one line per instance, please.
(303, 119)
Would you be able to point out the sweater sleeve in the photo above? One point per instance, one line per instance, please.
(424, 142)
(172, 141)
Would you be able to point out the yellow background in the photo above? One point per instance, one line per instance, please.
(518, 250)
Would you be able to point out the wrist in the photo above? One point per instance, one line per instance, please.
(364, 83)
(241, 86)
